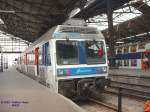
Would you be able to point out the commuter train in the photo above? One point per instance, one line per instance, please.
(70, 59)
(132, 56)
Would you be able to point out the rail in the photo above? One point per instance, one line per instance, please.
(104, 104)
(138, 87)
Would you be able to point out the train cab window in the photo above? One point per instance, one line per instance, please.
(95, 52)
(67, 52)
(80, 52)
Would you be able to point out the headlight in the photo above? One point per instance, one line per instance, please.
(60, 71)
(104, 69)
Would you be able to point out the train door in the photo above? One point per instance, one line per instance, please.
(146, 59)
(25, 63)
(47, 64)
(36, 61)
(147, 55)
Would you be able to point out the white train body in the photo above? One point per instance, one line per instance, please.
(132, 56)
(68, 57)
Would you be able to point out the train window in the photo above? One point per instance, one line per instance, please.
(47, 60)
(95, 52)
(75, 52)
(126, 62)
(120, 62)
(67, 52)
(141, 46)
(133, 48)
(126, 49)
(48, 56)
(133, 62)
(30, 57)
(40, 55)
(115, 51)
(119, 51)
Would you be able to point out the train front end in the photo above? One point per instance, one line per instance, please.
(81, 61)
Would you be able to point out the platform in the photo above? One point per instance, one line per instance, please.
(130, 72)
(18, 93)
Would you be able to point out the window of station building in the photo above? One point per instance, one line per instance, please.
(126, 62)
(133, 48)
(133, 62)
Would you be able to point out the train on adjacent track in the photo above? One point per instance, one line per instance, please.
(70, 59)
(133, 56)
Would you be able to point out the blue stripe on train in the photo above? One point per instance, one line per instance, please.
(85, 70)
(136, 55)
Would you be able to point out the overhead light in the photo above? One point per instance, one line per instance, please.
(119, 42)
(74, 12)
(7, 11)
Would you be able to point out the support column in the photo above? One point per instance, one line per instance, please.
(1, 64)
(110, 31)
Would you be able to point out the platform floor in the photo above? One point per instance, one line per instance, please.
(132, 72)
(18, 93)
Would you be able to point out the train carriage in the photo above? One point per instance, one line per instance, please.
(70, 59)
(133, 56)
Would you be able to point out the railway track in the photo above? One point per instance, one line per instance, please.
(92, 105)
(135, 86)
(103, 104)
(133, 89)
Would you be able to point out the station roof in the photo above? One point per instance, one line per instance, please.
(135, 29)
(29, 19)
(98, 7)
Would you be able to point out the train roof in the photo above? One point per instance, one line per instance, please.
(82, 30)
(44, 38)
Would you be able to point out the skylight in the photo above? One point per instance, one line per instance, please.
(10, 43)
(119, 16)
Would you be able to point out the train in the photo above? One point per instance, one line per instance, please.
(132, 56)
(70, 59)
